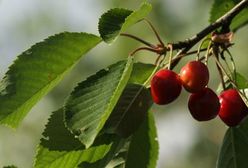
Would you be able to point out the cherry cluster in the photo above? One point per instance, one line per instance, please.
(203, 102)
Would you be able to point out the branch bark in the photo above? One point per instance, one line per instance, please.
(186, 45)
(189, 43)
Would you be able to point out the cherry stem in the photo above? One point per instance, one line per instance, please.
(233, 63)
(242, 94)
(221, 77)
(229, 69)
(150, 77)
(157, 60)
(223, 70)
(216, 55)
(208, 52)
(244, 97)
(138, 39)
(243, 91)
(226, 63)
(199, 48)
(143, 48)
(187, 44)
(170, 56)
(192, 52)
(155, 32)
(184, 55)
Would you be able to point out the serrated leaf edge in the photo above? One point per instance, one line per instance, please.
(45, 86)
(117, 91)
(124, 24)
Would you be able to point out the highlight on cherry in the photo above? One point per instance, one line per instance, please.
(203, 104)
(108, 119)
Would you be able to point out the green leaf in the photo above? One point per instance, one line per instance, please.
(92, 101)
(12, 166)
(111, 22)
(69, 159)
(117, 20)
(145, 137)
(220, 7)
(128, 95)
(241, 81)
(130, 111)
(240, 20)
(136, 16)
(143, 149)
(56, 136)
(141, 72)
(118, 161)
(115, 148)
(135, 91)
(234, 150)
(37, 71)
(59, 148)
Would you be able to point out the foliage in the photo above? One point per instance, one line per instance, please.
(37, 70)
(220, 7)
(106, 121)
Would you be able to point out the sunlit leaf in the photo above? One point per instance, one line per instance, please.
(143, 149)
(130, 111)
(56, 136)
(241, 81)
(141, 73)
(117, 20)
(118, 143)
(93, 100)
(59, 148)
(118, 161)
(220, 7)
(38, 70)
(234, 150)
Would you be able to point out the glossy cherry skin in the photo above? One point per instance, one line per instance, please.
(232, 109)
(194, 76)
(165, 87)
(204, 105)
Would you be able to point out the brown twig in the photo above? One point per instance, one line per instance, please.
(138, 39)
(142, 48)
(155, 31)
(186, 45)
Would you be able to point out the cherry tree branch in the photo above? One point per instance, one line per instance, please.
(186, 45)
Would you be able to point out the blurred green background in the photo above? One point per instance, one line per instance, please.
(184, 143)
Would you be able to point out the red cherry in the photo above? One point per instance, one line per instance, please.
(165, 87)
(232, 109)
(204, 105)
(194, 76)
